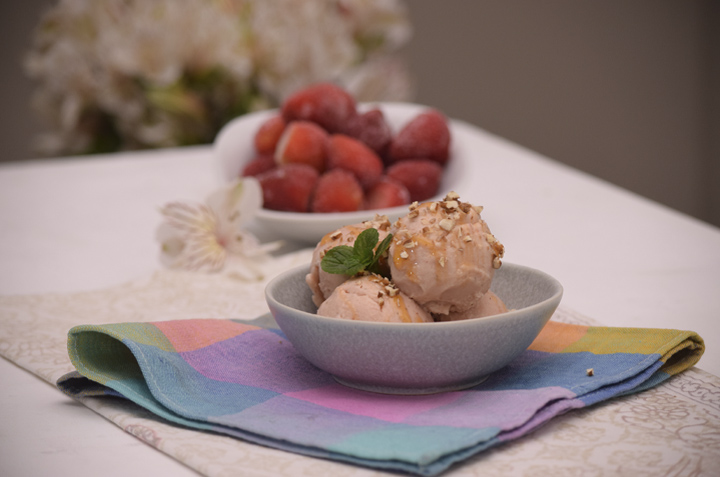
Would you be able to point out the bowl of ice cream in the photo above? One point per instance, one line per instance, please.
(416, 358)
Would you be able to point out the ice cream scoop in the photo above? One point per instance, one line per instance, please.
(443, 255)
(488, 305)
(323, 283)
(372, 298)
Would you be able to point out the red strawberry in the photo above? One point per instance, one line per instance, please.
(387, 193)
(288, 187)
(268, 134)
(344, 152)
(323, 103)
(337, 191)
(262, 163)
(420, 176)
(372, 129)
(302, 142)
(426, 136)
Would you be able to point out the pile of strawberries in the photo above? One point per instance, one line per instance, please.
(320, 154)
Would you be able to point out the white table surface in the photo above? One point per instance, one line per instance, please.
(79, 224)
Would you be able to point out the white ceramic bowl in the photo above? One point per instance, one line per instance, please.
(234, 148)
(416, 358)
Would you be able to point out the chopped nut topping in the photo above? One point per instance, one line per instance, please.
(451, 204)
(380, 298)
(490, 238)
(404, 254)
(452, 195)
(433, 206)
(409, 243)
(413, 206)
(497, 263)
(467, 238)
(441, 260)
(478, 209)
(413, 213)
(336, 234)
(380, 222)
(447, 224)
(392, 291)
(590, 372)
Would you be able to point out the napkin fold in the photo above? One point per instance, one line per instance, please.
(246, 380)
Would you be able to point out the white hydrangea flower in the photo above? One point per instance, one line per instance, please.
(298, 43)
(380, 25)
(129, 74)
(382, 78)
(210, 237)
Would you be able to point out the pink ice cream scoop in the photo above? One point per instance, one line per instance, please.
(323, 283)
(488, 305)
(443, 255)
(372, 298)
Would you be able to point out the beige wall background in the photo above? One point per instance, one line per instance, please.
(628, 91)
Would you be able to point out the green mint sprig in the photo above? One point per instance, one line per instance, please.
(346, 260)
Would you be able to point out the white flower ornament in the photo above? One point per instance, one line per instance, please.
(210, 237)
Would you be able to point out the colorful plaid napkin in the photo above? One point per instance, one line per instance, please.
(249, 382)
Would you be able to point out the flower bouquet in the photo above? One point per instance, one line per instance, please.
(130, 74)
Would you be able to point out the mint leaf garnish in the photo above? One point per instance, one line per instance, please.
(364, 244)
(341, 260)
(379, 251)
(346, 260)
(384, 245)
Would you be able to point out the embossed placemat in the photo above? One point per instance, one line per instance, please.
(674, 427)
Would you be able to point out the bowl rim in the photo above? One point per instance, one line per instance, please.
(438, 325)
(333, 216)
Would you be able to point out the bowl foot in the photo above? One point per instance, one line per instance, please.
(409, 391)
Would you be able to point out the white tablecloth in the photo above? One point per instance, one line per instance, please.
(81, 224)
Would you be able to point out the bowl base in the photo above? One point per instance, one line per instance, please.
(408, 391)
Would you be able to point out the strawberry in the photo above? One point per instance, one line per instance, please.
(302, 142)
(426, 136)
(371, 129)
(420, 176)
(323, 103)
(387, 193)
(337, 191)
(261, 163)
(268, 134)
(344, 152)
(288, 187)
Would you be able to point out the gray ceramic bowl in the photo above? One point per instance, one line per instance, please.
(416, 358)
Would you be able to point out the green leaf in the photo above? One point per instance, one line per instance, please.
(364, 244)
(346, 260)
(382, 248)
(341, 260)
